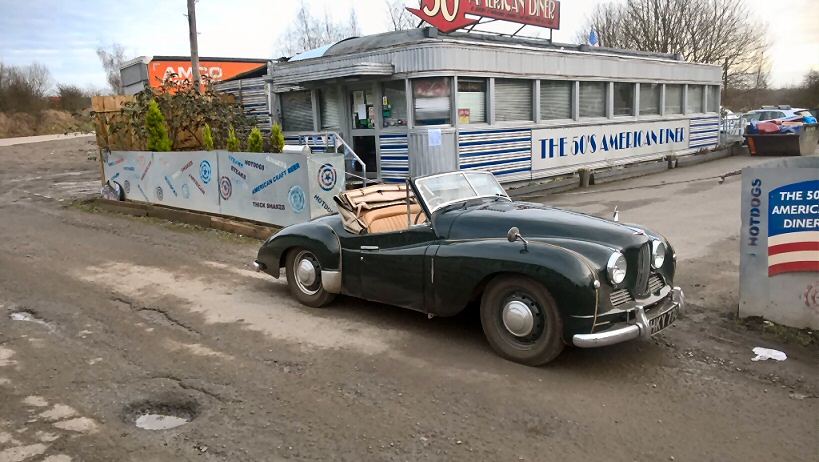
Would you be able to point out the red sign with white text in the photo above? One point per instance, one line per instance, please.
(450, 15)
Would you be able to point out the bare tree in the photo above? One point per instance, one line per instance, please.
(399, 17)
(24, 88)
(112, 59)
(705, 31)
(353, 28)
(308, 32)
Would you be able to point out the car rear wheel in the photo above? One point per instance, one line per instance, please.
(521, 321)
(303, 272)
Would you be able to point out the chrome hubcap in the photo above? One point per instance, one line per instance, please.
(518, 318)
(306, 273)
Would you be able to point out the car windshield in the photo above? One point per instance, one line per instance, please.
(440, 190)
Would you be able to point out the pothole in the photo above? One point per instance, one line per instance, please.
(161, 415)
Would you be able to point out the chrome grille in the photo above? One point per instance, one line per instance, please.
(620, 297)
(655, 283)
(643, 270)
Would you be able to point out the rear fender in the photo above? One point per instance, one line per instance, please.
(317, 237)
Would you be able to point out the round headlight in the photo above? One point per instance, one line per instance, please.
(616, 268)
(657, 254)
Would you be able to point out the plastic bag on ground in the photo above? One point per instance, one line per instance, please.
(763, 354)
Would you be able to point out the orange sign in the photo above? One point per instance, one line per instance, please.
(215, 70)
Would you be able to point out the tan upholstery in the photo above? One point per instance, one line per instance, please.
(392, 218)
(376, 209)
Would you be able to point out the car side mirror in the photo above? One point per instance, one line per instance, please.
(514, 235)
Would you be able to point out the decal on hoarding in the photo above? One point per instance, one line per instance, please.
(450, 15)
(159, 194)
(297, 198)
(205, 171)
(143, 192)
(322, 203)
(327, 177)
(185, 167)
(186, 191)
(276, 162)
(754, 213)
(201, 189)
(268, 205)
(146, 171)
(250, 163)
(127, 186)
(129, 169)
(237, 172)
(167, 180)
(793, 228)
(561, 147)
(225, 188)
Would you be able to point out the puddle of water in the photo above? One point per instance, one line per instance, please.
(25, 316)
(159, 422)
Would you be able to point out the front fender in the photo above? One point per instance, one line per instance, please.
(463, 268)
(315, 236)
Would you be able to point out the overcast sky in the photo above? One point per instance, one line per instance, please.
(64, 34)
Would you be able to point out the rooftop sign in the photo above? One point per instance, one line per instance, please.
(450, 15)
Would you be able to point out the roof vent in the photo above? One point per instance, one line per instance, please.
(431, 32)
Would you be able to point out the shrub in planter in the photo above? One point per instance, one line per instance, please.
(207, 139)
(158, 140)
(254, 141)
(276, 139)
(233, 143)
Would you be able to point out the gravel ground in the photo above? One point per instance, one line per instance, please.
(104, 318)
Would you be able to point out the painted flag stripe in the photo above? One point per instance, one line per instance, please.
(792, 257)
(787, 238)
(793, 247)
(793, 267)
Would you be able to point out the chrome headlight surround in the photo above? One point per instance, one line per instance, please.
(658, 251)
(616, 268)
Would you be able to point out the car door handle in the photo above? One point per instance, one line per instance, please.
(369, 247)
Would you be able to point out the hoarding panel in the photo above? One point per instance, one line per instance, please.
(186, 180)
(264, 187)
(131, 170)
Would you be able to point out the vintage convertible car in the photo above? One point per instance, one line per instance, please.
(544, 277)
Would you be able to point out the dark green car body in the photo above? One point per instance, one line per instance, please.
(440, 266)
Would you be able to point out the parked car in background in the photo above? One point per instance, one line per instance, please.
(544, 277)
(774, 113)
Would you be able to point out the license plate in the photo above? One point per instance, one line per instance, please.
(664, 320)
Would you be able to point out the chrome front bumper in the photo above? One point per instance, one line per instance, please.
(639, 328)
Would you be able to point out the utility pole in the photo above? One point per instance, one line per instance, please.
(197, 79)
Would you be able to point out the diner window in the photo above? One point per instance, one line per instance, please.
(330, 110)
(623, 99)
(713, 98)
(363, 109)
(673, 99)
(694, 103)
(297, 111)
(650, 98)
(556, 100)
(431, 98)
(593, 97)
(471, 101)
(513, 100)
(394, 104)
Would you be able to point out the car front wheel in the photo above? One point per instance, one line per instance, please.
(303, 272)
(521, 321)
